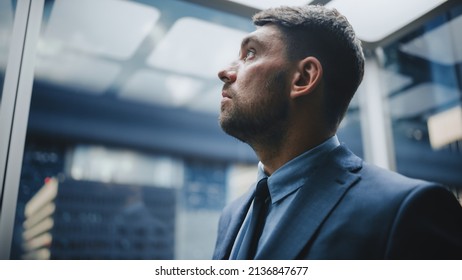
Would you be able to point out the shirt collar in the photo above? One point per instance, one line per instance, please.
(292, 175)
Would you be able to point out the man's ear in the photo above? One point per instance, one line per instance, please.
(307, 77)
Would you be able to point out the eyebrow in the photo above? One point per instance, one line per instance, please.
(249, 39)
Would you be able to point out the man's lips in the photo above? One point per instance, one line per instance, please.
(224, 94)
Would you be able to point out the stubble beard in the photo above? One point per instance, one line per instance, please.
(260, 124)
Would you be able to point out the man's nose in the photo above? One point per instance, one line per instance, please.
(228, 75)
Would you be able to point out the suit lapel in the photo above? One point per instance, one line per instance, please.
(313, 203)
(229, 229)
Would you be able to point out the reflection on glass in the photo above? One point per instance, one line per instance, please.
(89, 220)
(124, 158)
(427, 67)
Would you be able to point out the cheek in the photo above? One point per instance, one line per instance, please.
(252, 81)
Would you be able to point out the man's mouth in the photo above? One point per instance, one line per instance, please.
(225, 94)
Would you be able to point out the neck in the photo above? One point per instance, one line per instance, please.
(291, 145)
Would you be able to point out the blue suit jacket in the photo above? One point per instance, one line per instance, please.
(352, 210)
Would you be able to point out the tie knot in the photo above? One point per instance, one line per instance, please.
(262, 192)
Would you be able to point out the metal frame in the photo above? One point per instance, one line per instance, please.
(18, 90)
(10, 85)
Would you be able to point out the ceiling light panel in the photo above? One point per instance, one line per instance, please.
(146, 86)
(374, 20)
(258, 4)
(159, 88)
(77, 71)
(104, 27)
(191, 47)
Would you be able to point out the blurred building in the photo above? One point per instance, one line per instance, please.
(87, 220)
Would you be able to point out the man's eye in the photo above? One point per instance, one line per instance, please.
(249, 55)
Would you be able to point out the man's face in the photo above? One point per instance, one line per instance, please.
(255, 103)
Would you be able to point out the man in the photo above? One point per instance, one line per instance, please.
(285, 96)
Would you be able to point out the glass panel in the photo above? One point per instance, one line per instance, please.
(424, 83)
(124, 157)
(7, 11)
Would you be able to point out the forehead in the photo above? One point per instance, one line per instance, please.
(268, 35)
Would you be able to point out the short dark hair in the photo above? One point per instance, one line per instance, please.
(315, 30)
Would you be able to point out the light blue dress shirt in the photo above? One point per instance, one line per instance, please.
(283, 185)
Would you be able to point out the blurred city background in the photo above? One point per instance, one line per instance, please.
(110, 146)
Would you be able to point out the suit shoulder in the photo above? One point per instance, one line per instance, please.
(427, 225)
(392, 182)
(383, 191)
(375, 180)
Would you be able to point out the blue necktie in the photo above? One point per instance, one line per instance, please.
(249, 244)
